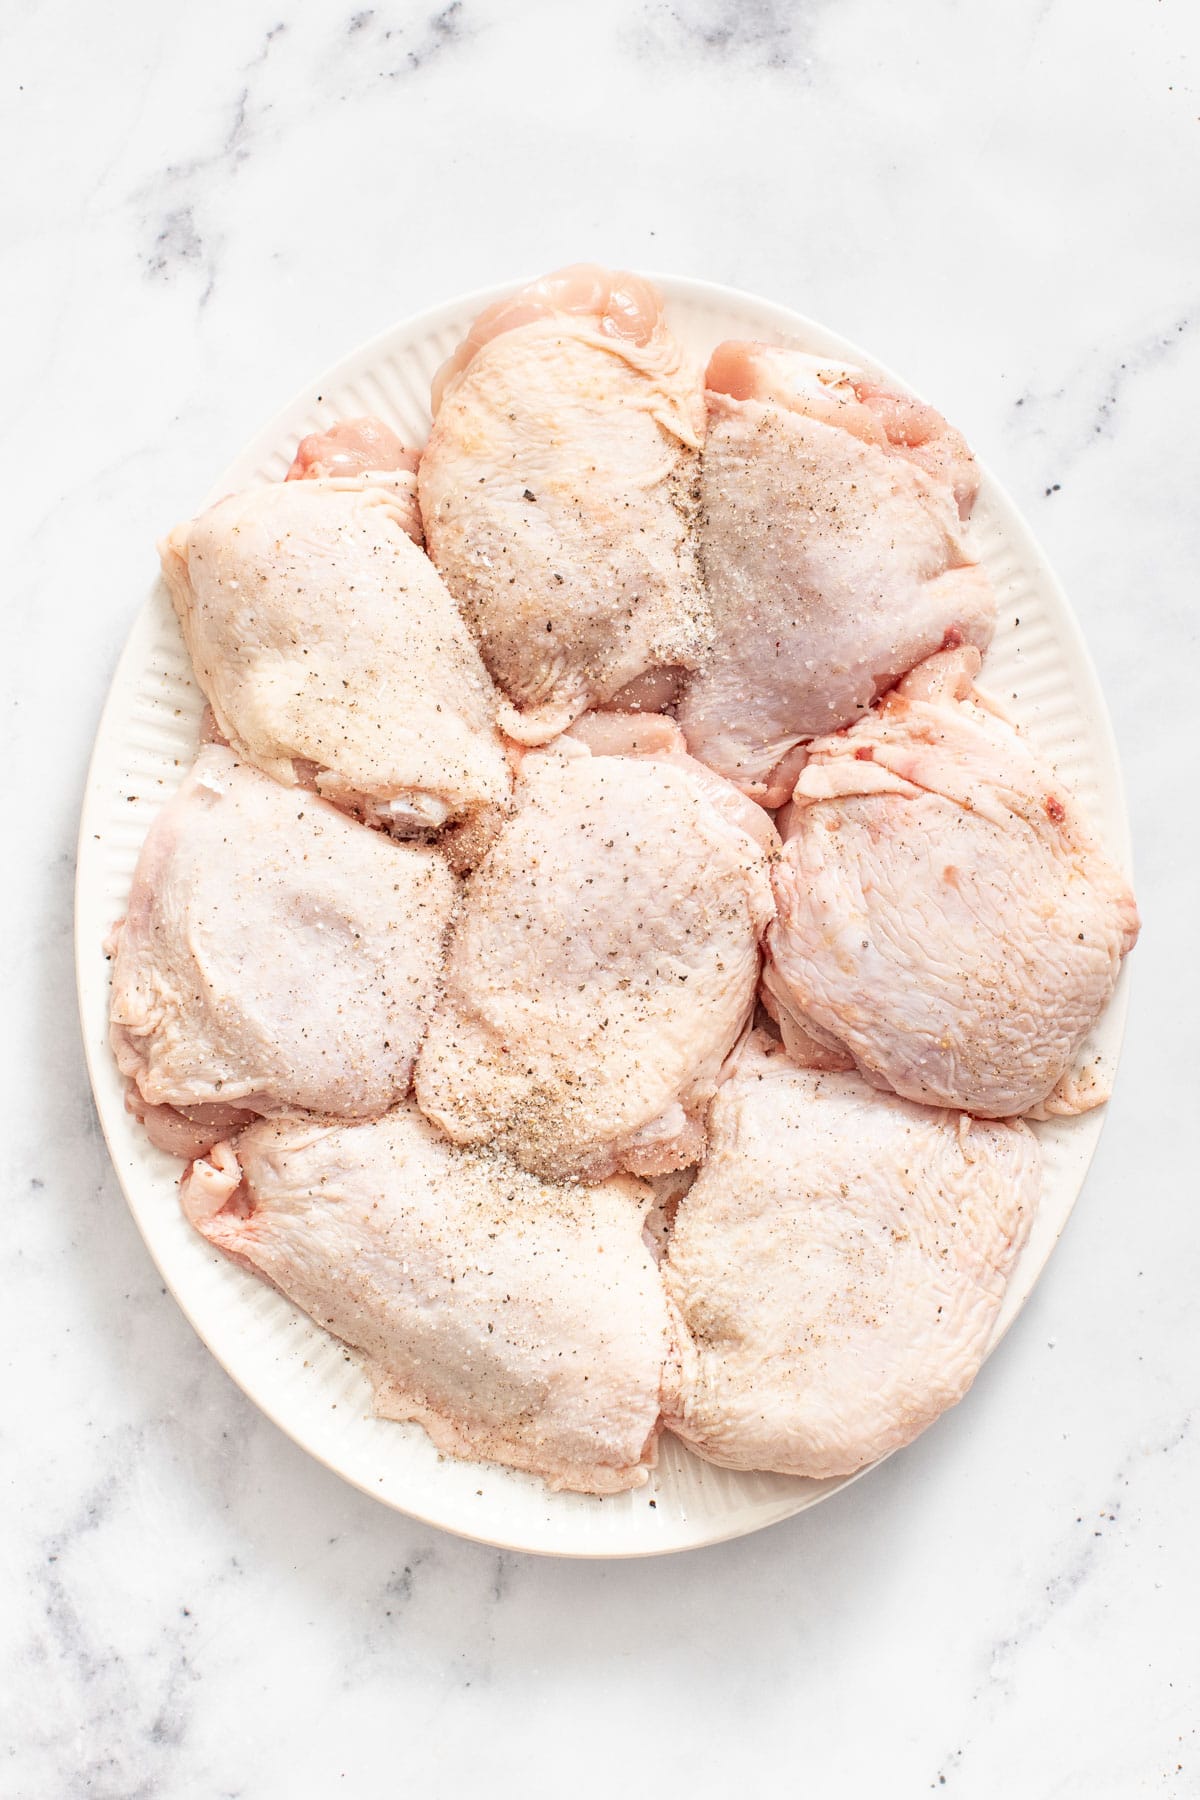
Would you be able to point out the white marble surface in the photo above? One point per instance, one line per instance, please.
(205, 205)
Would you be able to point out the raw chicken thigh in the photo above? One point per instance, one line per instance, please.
(944, 915)
(558, 491)
(330, 651)
(605, 961)
(836, 1270)
(518, 1321)
(275, 955)
(833, 553)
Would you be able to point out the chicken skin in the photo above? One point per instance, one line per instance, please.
(835, 1272)
(945, 919)
(833, 553)
(518, 1321)
(558, 493)
(329, 650)
(275, 955)
(605, 960)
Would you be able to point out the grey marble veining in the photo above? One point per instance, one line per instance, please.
(203, 207)
(766, 34)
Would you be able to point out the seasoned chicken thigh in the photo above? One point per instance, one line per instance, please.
(558, 491)
(944, 916)
(833, 553)
(274, 955)
(330, 652)
(605, 960)
(518, 1321)
(836, 1269)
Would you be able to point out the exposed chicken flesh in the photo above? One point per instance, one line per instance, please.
(354, 447)
(518, 1321)
(332, 655)
(275, 955)
(833, 553)
(558, 493)
(944, 914)
(605, 960)
(836, 1269)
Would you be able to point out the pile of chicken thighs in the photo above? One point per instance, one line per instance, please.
(605, 952)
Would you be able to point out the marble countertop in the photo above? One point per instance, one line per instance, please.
(204, 206)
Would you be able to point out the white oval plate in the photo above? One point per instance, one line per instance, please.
(298, 1375)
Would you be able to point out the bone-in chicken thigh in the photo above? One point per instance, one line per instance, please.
(836, 1269)
(518, 1321)
(945, 918)
(605, 960)
(275, 955)
(330, 652)
(833, 551)
(558, 493)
